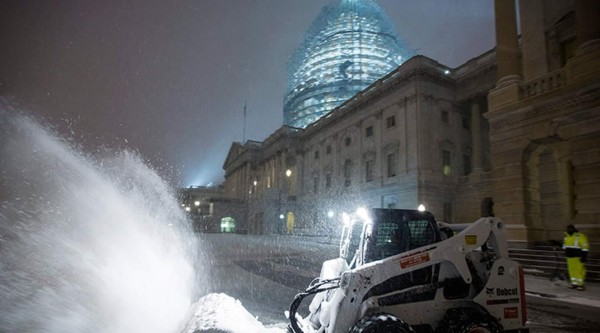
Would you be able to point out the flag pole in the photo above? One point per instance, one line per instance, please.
(244, 135)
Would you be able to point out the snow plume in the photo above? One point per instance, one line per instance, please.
(222, 313)
(87, 244)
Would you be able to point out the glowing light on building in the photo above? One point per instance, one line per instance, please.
(348, 47)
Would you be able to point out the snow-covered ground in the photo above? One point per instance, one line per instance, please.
(253, 279)
(221, 313)
(251, 283)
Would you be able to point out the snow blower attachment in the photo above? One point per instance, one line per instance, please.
(401, 271)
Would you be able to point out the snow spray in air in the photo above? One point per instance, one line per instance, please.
(87, 244)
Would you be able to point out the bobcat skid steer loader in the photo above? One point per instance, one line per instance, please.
(401, 271)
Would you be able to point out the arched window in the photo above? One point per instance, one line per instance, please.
(228, 224)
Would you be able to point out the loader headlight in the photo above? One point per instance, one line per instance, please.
(346, 219)
(363, 214)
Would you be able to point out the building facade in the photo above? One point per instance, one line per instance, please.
(209, 210)
(416, 136)
(513, 132)
(544, 114)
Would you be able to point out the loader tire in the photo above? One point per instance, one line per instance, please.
(468, 320)
(381, 323)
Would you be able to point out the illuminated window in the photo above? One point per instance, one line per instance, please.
(446, 162)
(227, 224)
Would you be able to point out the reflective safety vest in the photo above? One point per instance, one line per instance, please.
(575, 244)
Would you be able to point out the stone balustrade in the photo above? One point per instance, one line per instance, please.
(544, 84)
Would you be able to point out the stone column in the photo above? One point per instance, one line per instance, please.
(533, 43)
(476, 136)
(507, 50)
(587, 14)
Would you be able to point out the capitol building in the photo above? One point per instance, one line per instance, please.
(514, 132)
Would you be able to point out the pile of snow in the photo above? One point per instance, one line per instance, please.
(223, 313)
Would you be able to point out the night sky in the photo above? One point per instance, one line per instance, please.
(169, 79)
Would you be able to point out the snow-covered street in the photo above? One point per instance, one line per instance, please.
(253, 279)
(263, 273)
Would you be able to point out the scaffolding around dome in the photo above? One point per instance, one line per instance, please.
(349, 46)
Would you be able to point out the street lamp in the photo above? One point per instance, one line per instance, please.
(196, 203)
(330, 214)
(421, 208)
(288, 172)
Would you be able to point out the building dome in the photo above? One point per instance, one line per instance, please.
(349, 46)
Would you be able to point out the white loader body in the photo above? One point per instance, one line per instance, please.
(469, 271)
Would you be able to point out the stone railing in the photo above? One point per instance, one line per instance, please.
(546, 83)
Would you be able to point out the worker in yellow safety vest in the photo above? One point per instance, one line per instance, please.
(576, 248)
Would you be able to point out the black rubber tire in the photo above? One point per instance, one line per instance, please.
(468, 320)
(381, 323)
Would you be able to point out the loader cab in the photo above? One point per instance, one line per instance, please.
(380, 233)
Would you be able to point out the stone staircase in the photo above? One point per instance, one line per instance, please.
(550, 261)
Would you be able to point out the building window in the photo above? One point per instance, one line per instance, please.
(316, 154)
(392, 160)
(391, 121)
(448, 212)
(328, 180)
(204, 209)
(227, 224)
(445, 117)
(391, 205)
(348, 141)
(328, 149)
(466, 164)
(466, 122)
(369, 167)
(446, 162)
(316, 184)
(369, 131)
(567, 50)
(347, 173)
